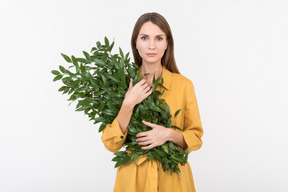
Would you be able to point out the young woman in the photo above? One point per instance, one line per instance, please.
(153, 51)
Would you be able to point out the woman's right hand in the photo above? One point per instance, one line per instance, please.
(137, 93)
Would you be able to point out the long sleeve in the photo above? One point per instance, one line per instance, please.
(112, 136)
(192, 130)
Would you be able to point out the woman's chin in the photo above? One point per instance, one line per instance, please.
(151, 61)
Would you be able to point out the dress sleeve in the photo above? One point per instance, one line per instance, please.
(192, 130)
(112, 136)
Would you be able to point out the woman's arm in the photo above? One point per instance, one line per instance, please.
(158, 136)
(114, 134)
(133, 96)
(124, 116)
(192, 132)
(177, 138)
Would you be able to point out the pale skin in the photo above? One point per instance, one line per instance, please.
(151, 39)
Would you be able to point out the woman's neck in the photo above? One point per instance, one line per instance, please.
(151, 69)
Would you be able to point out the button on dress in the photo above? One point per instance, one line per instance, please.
(148, 176)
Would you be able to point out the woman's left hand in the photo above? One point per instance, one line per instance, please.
(153, 138)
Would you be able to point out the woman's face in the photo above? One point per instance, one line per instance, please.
(151, 43)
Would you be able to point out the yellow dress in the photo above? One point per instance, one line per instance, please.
(144, 176)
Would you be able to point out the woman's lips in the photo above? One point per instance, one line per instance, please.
(151, 54)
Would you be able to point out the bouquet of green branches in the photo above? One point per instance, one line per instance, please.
(99, 81)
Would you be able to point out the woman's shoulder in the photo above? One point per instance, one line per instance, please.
(180, 79)
(176, 81)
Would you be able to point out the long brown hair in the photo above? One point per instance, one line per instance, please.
(168, 59)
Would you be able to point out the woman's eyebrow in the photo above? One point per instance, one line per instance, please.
(156, 35)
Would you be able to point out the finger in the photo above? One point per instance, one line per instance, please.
(142, 134)
(148, 147)
(149, 92)
(141, 139)
(145, 143)
(144, 85)
(152, 125)
(131, 83)
(146, 94)
(147, 89)
(143, 81)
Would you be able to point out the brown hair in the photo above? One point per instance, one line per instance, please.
(168, 59)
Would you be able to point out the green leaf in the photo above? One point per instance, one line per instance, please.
(174, 126)
(71, 74)
(158, 92)
(62, 88)
(186, 155)
(143, 110)
(66, 90)
(117, 158)
(102, 106)
(158, 157)
(102, 126)
(167, 110)
(111, 47)
(161, 101)
(99, 62)
(150, 157)
(134, 157)
(66, 80)
(163, 91)
(62, 69)
(81, 60)
(120, 153)
(100, 119)
(175, 158)
(155, 83)
(131, 71)
(177, 112)
(113, 78)
(88, 57)
(106, 42)
(109, 112)
(155, 108)
(123, 160)
(136, 114)
(160, 152)
(58, 77)
(171, 146)
(132, 130)
(126, 159)
(55, 72)
(75, 63)
(66, 58)
(83, 108)
(121, 52)
(99, 93)
(165, 147)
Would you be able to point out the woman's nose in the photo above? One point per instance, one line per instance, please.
(151, 44)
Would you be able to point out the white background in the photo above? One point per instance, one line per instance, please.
(235, 53)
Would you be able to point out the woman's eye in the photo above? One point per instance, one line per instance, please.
(144, 38)
(159, 38)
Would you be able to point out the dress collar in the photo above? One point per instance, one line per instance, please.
(166, 74)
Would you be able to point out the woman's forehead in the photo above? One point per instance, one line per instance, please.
(150, 29)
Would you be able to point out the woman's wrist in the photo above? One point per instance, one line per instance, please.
(176, 137)
(128, 104)
(169, 136)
